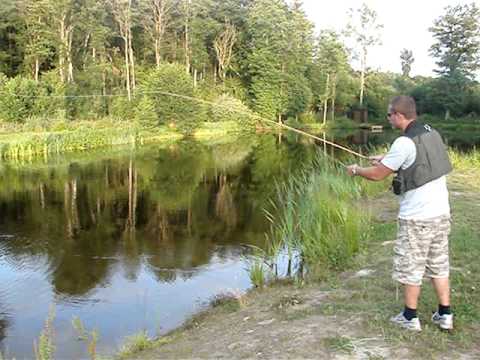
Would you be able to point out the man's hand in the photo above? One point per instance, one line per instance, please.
(352, 170)
(375, 160)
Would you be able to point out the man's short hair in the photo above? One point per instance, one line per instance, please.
(404, 105)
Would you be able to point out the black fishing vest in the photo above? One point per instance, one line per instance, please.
(430, 163)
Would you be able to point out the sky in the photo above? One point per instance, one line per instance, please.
(405, 22)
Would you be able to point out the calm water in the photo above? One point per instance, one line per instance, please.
(130, 241)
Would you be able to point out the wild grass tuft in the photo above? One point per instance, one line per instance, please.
(84, 335)
(340, 344)
(136, 343)
(230, 301)
(92, 345)
(79, 328)
(257, 273)
(45, 348)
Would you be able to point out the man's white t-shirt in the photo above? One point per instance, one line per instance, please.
(427, 201)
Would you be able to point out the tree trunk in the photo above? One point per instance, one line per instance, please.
(37, 69)
(334, 95)
(325, 143)
(187, 47)
(132, 60)
(69, 54)
(127, 69)
(195, 74)
(362, 75)
(157, 53)
(61, 55)
(325, 102)
(42, 196)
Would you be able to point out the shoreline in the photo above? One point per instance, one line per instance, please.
(343, 316)
(29, 145)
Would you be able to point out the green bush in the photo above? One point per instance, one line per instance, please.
(90, 82)
(3, 79)
(308, 118)
(178, 112)
(235, 87)
(18, 99)
(51, 103)
(227, 108)
(145, 114)
(123, 109)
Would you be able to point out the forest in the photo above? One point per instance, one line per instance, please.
(71, 60)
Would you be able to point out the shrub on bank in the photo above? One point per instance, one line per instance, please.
(175, 111)
(17, 101)
(145, 114)
(226, 108)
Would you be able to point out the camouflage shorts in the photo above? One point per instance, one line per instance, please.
(421, 249)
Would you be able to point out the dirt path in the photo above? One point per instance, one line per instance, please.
(279, 322)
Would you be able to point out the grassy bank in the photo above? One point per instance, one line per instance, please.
(20, 143)
(79, 136)
(374, 298)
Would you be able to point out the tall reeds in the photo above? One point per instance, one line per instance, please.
(319, 222)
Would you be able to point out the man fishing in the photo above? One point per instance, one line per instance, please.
(420, 162)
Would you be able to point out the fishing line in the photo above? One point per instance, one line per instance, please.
(298, 131)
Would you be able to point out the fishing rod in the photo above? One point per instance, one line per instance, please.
(331, 143)
(158, 92)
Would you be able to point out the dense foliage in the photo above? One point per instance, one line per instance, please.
(89, 59)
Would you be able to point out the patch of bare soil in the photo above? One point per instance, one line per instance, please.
(275, 323)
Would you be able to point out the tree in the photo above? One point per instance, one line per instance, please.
(95, 43)
(279, 53)
(298, 56)
(457, 35)
(457, 48)
(364, 29)
(36, 35)
(63, 14)
(407, 59)
(223, 46)
(122, 13)
(267, 41)
(156, 18)
(330, 62)
(11, 44)
(171, 110)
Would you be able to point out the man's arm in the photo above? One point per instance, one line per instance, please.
(376, 172)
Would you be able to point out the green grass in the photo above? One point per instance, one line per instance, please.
(374, 298)
(339, 344)
(45, 348)
(257, 273)
(136, 343)
(212, 130)
(21, 142)
(79, 137)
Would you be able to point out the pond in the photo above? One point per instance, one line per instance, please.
(129, 241)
